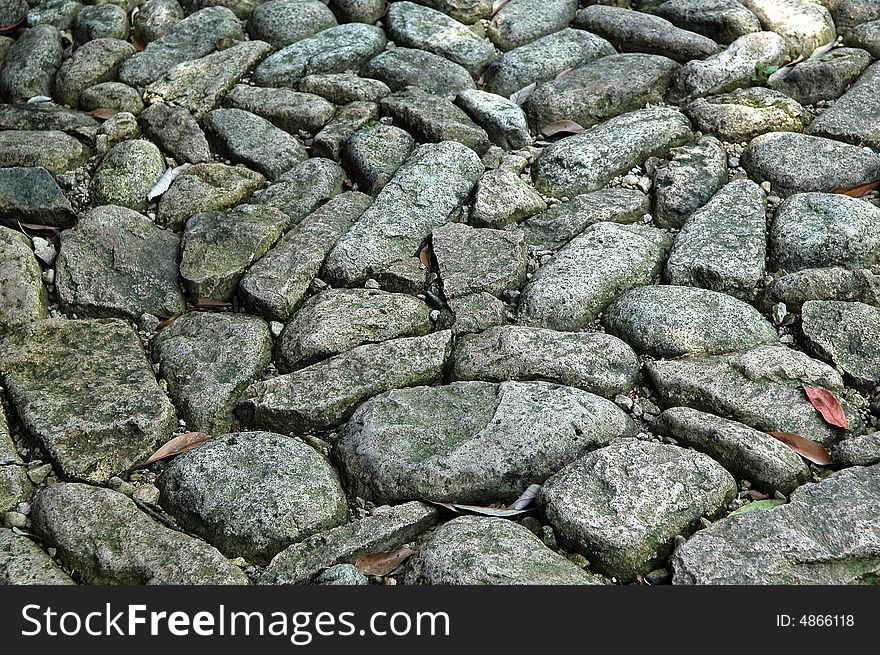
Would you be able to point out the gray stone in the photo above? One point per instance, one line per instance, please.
(200, 84)
(30, 63)
(834, 283)
(22, 562)
(481, 550)
(275, 285)
(813, 230)
(340, 575)
(552, 229)
(304, 188)
(86, 393)
(55, 151)
(762, 388)
(282, 22)
(805, 25)
(425, 193)
(471, 442)
(622, 506)
(603, 262)
(361, 11)
(866, 36)
(502, 119)
(825, 77)
(848, 14)
(374, 153)
(30, 194)
(722, 20)
(466, 11)
(854, 118)
(106, 539)
(192, 38)
(117, 263)
(502, 197)
(57, 13)
(177, 132)
(632, 31)
(290, 110)
(671, 321)
(347, 121)
(343, 88)
(595, 362)
(731, 68)
(693, 174)
(846, 334)
(334, 50)
(433, 119)
(208, 359)
(476, 312)
(218, 247)
(155, 19)
(23, 297)
(220, 490)
(47, 116)
(325, 394)
(403, 67)
(388, 528)
(92, 63)
(860, 450)
(472, 260)
(338, 320)
(102, 21)
(826, 534)
(750, 454)
(723, 245)
(588, 161)
(15, 486)
(522, 21)
(793, 163)
(543, 59)
(12, 12)
(205, 188)
(746, 113)
(251, 140)
(602, 89)
(111, 95)
(127, 174)
(414, 26)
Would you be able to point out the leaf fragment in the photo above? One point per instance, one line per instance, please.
(758, 505)
(103, 113)
(425, 256)
(523, 94)
(165, 181)
(178, 444)
(564, 72)
(562, 127)
(827, 404)
(382, 564)
(498, 5)
(35, 99)
(210, 303)
(499, 512)
(804, 447)
(859, 190)
(527, 497)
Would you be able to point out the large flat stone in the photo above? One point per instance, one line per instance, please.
(846, 334)
(855, 116)
(23, 562)
(30, 194)
(688, 180)
(23, 298)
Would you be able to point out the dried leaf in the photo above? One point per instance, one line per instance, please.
(564, 72)
(137, 43)
(498, 5)
(523, 94)
(425, 256)
(822, 49)
(9, 29)
(527, 497)
(828, 406)
(757, 495)
(168, 321)
(499, 512)
(38, 228)
(758, 505)
(165, 181)
(804, 447)
(178, 444)
(103, 113)
(562, 127)
(22, 533)
(383, 563)
(641, 579)
(210, 303)
(859, 190)
(36, 99)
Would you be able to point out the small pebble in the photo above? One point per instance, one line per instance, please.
(38, 475)
(372, 284)
(147, 494)
(779, 313)
(15, 520)
(532, 524)
(548, 537)
(275, 327)
(49, 276)
(624, 402)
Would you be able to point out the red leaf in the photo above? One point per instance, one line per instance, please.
(757, 495)
(210, 303)
(178, 444)
(103, 114)
(803, 447)
(425, 256)
(828, 406)
(562, 127)
(383, 563)
(859, 190)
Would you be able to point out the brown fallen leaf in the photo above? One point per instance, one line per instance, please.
(168, 321)
(383, 563)
(137, 43)
(178, 444)
(425, 256)
(757, 495)
(859, 190)
(103, 113)
(523, 94)
(564, 72)
(210, 303)
(562, 127)
(828, 406)
(804, 447)
(38, 228)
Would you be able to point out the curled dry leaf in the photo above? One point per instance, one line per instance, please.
(500, 512)
(859, 190)
(564, 72)
(828, 406)
(757, 495)
(498, 5)
(38, 228)
(168, 321)
(804, 447)
(527, 497)
(562, 127)
(210, 303)
(425, 256)
(383, 563)
(178, 444)
(103, 113)
(523, 94)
